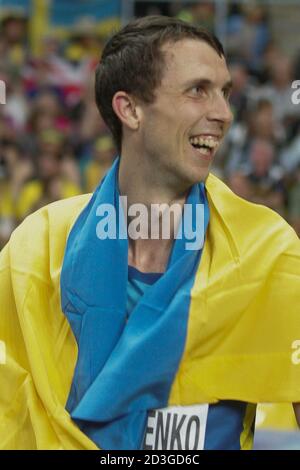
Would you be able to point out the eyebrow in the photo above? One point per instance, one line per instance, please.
(206, 82)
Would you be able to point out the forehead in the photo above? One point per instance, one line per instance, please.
(192, 59)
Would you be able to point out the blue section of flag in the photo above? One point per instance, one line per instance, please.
(111, 391)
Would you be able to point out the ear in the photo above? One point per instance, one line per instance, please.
(126, 109)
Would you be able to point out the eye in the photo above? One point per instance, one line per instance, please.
(197, 90)
(226, 93)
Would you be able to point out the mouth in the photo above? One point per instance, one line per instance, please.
(205, 145)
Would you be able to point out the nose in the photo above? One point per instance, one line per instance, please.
(220, 110)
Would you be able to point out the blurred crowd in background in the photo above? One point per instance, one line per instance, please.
(54, 144)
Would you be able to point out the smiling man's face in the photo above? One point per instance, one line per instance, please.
(182, 129)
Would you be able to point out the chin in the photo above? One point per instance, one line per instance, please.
(189, 179)
(197, 171)
(199, 175)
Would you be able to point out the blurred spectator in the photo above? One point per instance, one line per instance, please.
(262, 183)
(48, 186)
(278, 91)
(290, 154)
(240, 184)
(90, 125)
(16, 107)
(199, 13)
(242, 90)
(7, 130)
(15, 169)
(7, 223)
(294, 202)
(248, 34)
(259, 122)
(270, 56)
(14, 37)
(103, 154)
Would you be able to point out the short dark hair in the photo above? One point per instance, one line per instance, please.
(132, 61)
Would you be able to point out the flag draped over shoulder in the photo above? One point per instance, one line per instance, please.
(244, 319)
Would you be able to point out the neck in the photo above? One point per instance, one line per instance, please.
(143, 185)
(146, 184)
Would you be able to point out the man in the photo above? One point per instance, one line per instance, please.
(126, 342)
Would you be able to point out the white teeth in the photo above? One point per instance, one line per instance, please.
(204, 150)
(210, 142)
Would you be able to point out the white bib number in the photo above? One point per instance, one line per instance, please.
(176, 428)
